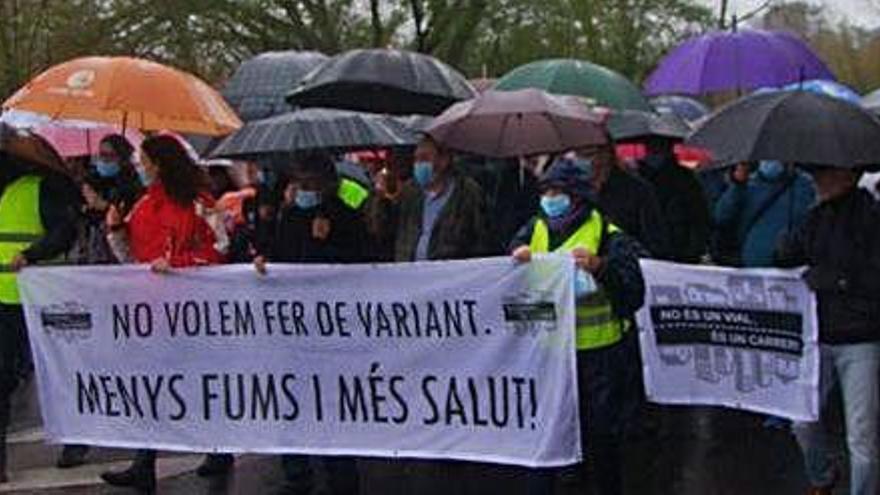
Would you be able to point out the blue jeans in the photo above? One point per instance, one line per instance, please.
(855, 367)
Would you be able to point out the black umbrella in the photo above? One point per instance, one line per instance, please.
(633, 125)
(314, 129)
(383, 81)
(791, 126)
(258, 88)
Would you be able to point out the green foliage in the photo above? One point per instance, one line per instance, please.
(479, 37)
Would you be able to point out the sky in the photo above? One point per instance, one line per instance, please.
(865, 13)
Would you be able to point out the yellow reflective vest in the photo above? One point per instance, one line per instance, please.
(20, 226)
(596, 324)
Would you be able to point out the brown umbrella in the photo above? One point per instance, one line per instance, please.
(508, 124)
(30, 148)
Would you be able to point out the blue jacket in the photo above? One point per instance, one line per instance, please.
(739, 204)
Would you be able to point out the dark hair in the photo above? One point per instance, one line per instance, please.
(181, 177)
(120, 145)
(314, 164)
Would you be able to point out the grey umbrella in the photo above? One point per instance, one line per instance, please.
(633, 125)
(258, 88)
(507, 124)
(791, 126)
(383, 81)
(872, 102)
(314, 129)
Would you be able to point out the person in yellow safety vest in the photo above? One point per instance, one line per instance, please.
(609, 289)
(37, 223)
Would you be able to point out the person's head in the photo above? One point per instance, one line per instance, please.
(597, 161)
(772, 170)
(221, 181)
(833, 182)
(114, 156)
(565, 186)
(659, 146)
(165, 158)
(432, 163)
(313, 179)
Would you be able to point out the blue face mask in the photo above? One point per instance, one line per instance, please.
(306, 200)
(771, 169)
(584, 164)
(146, 180)
(555, 206)
(106, 168)
(423, 173)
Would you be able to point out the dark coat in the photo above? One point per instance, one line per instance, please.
(685, 208)
(631, 203)
(840, 244)
(294, 243)
(460, 230)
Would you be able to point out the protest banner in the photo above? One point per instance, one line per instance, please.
(470, 360)
(742, 338)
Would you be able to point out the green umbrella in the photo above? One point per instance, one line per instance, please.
(573, 77)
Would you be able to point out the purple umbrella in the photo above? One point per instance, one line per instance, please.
(742, 60)
(507, 124)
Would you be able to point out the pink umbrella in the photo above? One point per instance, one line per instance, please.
(76, 140)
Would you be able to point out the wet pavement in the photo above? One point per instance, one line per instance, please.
(690, 451)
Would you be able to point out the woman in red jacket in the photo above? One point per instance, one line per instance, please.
(173, 225)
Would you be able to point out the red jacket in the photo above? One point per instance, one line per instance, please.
(157, 226)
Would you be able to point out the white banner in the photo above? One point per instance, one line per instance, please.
(742, 338)
(469, 360)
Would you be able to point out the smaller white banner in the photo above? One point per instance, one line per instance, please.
(741, 338)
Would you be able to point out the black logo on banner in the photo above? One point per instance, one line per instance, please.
(69, 321)
(525, 315)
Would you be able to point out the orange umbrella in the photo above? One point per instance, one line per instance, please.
(127, 91)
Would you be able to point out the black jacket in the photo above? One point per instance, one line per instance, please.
(294, 243)
(621, 276)
(631, 203)
(684, 207)
(840, 244)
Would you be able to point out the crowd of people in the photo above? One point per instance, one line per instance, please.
(159, 206)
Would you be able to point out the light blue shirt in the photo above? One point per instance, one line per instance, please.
(432, 205)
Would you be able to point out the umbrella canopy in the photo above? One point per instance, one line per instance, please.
(633, 125)
(383, 81)
(828, 88)
(791, 126)
(314, 129)
(31, 148)
(741, 60)
(506, 124)
(599, 85)
(689, 109)
(71, 141)
(258, 88)
(872, 101)
(127, 91)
